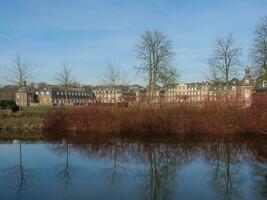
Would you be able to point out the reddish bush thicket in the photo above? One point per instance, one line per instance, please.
(259, 111)
(216, 118)
(55, 121)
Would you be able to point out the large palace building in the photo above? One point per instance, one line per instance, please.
(240, 91)
(57, 96)
(54, 96)
(234, 90)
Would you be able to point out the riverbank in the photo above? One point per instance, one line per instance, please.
(24, 125)
(29, 119)
(36, 136)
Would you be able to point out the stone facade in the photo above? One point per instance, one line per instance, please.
(56, 96)
(236, 90)
(118, 94)
(260, 92)
(24, 96)
(245, 89)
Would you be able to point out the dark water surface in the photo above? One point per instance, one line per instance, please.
(231, 169)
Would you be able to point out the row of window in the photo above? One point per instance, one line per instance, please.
(78, 101)
(190, 93)
(191, 99)
(107, 95)
(68, 93)
(105, 91)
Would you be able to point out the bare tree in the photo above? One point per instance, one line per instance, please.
(19, 71)
(154, 53)
(214, 76)
(65, 79)
(168, 76)
(225, 59)
(258, 52)
(113, 78)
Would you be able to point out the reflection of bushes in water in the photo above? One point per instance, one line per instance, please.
(180, 151)
(18, 176)
(139, 121)
(162, 162)
(65, 171)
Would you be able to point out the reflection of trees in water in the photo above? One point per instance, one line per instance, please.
(65, 171)
(260, 180)
(18, 176)
(259, 170)
(159, 178)
(114, 151)
(225, 170)
(116, 171)
(163, 161)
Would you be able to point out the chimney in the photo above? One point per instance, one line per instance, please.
(247, 72)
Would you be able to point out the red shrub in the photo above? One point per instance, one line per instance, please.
(212, 118)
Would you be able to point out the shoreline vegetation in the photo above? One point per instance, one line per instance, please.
(210, 119)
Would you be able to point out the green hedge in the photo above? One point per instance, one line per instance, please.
(8, 104)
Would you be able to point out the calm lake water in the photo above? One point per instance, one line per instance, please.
(232, 169)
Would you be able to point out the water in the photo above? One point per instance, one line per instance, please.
(233, 169)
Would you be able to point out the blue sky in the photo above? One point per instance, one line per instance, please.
(88, 34)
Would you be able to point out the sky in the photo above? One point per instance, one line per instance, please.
(89, 34)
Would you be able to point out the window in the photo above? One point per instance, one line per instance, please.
(233, 87)
(247, 94)
(264, 83)
(47, 93)
(247, 81)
